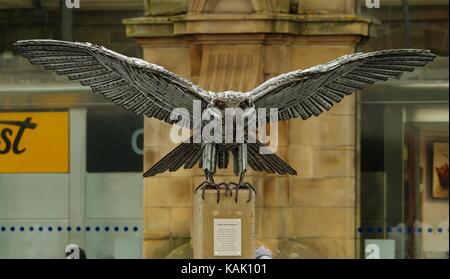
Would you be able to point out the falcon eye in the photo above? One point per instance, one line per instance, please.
(219, 104)
(244, 104)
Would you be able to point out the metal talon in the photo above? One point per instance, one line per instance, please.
(230, 188)
(203, 191)
(245, 185)
(200, 186)
(208, 185)
(248, 186)
(226, 187)
(218, 192)
(252, 190)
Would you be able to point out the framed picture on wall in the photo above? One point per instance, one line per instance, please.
(440, 170)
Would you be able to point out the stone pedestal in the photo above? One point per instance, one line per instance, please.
(209, 216)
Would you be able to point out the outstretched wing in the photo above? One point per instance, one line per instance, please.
(315, 90)
(136, 85)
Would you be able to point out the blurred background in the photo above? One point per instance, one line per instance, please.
(373, 171)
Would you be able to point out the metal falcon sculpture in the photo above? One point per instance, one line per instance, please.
(150, 90)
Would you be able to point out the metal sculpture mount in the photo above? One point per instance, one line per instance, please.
(150, 90)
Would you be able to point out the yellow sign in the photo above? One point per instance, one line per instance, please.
(34, 142)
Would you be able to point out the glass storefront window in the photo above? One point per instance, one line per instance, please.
(403, 128)
(404, 177)
(85, 187)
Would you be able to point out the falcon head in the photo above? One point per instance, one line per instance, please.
(231, 99)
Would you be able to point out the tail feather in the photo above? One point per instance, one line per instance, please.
(188, 154)
(267, 162)
(196, 156)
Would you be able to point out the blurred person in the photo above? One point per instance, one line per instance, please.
(262, 252)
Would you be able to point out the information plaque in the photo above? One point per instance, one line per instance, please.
(227, 237)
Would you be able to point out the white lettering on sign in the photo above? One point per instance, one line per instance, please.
(227, 237)
(373, 252)
(72, 252)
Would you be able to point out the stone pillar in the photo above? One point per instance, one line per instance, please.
(236, 45)
(209, 244)
(167, 197)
